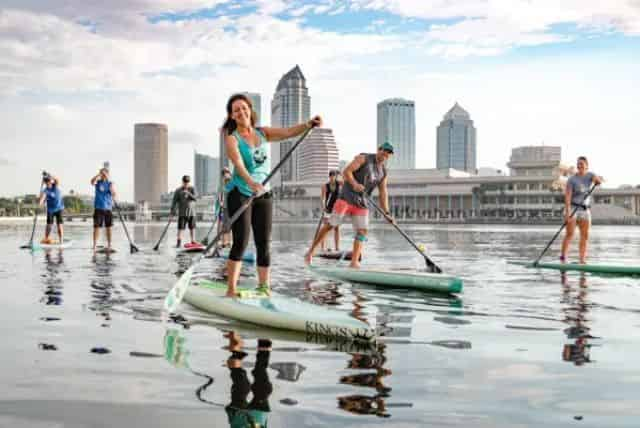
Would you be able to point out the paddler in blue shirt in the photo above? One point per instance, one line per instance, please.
(51, 193)
(105, 194)
(576, 197)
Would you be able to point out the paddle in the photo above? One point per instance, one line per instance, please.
(164, 232)
(431, 266)
(175, 295)
(33, 231)
(132, 246)
(216, 214)
(563, 226)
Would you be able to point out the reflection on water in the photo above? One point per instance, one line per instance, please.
(576, 310)
(371, 404)
(53, 266)
(103, 292)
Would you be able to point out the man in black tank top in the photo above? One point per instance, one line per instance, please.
(329, 195)
(365, 172)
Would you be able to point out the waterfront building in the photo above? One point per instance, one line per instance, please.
(397, 125)
(456, 141)
(291, 105)
(206, 173)
(150, 161)
(318, 155)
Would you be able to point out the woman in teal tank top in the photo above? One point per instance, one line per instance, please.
(246, 148)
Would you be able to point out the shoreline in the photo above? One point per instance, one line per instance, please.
(408, 222)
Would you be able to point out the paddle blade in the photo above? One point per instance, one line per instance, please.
(173, 299)
(134, 249)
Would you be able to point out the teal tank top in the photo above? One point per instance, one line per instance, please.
(256, 161)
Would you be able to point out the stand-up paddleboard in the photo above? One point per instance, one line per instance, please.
(592, 268)
(54, 245)
(392, 278)
(336, 255)
(105, 250)
(276, 311)
(248, 256)
(191, 248)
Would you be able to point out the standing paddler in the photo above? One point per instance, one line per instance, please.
(52, 195)
(577, 197)
(329, 195)
(365, 172)
(184, 202)
(105, 193)
(246, 148)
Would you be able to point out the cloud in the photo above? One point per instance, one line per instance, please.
(185, 137)
(6, 162)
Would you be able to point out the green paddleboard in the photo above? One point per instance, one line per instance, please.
(593, 268)
(392, 278)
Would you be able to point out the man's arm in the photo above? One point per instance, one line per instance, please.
(354, 165)
(383, 196)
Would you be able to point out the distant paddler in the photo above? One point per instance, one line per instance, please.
(365, 172)
(105, 193)
(184, 202)
(51, 194)
(246, 148)
(578, 197)
(329, 194)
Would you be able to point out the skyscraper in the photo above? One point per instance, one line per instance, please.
(397, 125)
(291, 105)
(150, 161)
(206, 173)
(318, 155)
(456, 136)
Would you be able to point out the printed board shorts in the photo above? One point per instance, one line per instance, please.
(102, 218)
(583, 214)
(183, 221)
(359, 216)
(56, 215)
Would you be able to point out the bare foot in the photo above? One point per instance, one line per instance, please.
(231, 293)
(308, 258)
(354, 265)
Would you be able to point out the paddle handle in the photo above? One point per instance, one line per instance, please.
(430, 264)
(564, 224)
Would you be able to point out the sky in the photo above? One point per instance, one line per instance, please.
(76, 75)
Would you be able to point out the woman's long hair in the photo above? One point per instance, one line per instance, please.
(230, 125)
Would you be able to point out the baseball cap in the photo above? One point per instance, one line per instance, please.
(386, 146)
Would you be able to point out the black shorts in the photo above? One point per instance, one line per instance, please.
(102, 218)
(57, 215)
(184, 220)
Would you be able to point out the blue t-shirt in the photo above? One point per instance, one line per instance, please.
(580, 186)
(256, 161)
(54, 199)
(103, 199)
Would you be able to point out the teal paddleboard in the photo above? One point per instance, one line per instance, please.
(392, 278)
(593, 268)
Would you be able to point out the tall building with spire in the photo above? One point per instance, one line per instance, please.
(291, 105)
(397, 125)
(456, 141)
(318, 156)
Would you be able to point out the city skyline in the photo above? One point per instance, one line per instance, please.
(564, 74)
